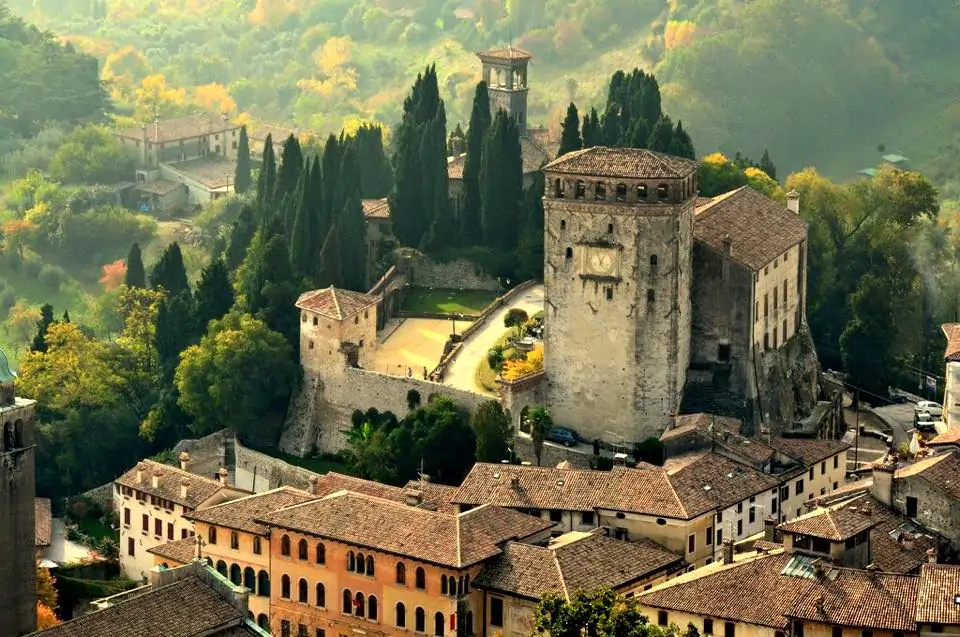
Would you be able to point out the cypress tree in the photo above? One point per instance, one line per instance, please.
(135, 276)
(175, 330)
(332, 158)
(610, 128)
(650, 108)
(501, 183)
(442, 231)
(592, 135)
(288, 176)
(214, 296)
(470, 227)
(681, 144)
(767, 166)
(661, 137)
(570, 132)
(242, 176)
(639, 134)
(353, 245)
(169, 273)
(331, 268)
(268, 175)
(306, 226)
(241, 234)
(374, 171)
(39, 343)
(66, 317)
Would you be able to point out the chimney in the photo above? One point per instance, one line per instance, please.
(820, 604)
(184, 488)
(515, 482)
(793, 202)
(222, 475)
(140, 469)
(184, 460)
(931, 555)
(770, 528)
(156, 478)
(414, 497)
(727, 245)
(908, 541)
(883, 474)
(727, 551)
(314, 481)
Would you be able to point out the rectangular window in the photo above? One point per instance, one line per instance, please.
(784, 330)
(710, 536)
(766, 305)
(555, 515)
(131, 546)
(775, 304)
(837, 631)
(321, 632)
(587, 517)
(183, 534)
(739, 507)
(158, 528)
(256, 545)
(691, 543)
(797, 629)
(753, 515)
(810, 473)
(868, 633)
(662, 618)
(766, 340)
(302, 630)
(836, 461)
(284, 628)
(773, 505)
(146, 523)
(126, 516)
(719, 538)
(496, 612)
(707, 626)
(784, 295)
(169, 530)
(729, 629)
(756, 309)
(234, 540)
(799, 487)
(911, 506)
(739, 528)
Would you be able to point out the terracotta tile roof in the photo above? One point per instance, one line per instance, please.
(751, 591)
(278, 133)
(376, 208)
(948, 437)
(718, 481)
(177, 128)
(43, 521)
(240, 514)
(436, 497)
(178, 551)
(210, 172)
(335, 303)
(333, 482)
(942, 471)
(726, 432)
(533, 156)
(859, 599)
(937, 595)
(535, 487)
(760, 228)
(833, 524)
(160, 187)
(455, 166)
(188, 608)
(887, 550)
(807, 451)
(648, 490)
(586, 563)
(168, 485)
(416, 533)
(952, 332)
(505, 53)
(627, 163)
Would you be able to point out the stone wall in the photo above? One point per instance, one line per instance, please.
(459, 274)
(390, 289)
(550, 456)
(259, 472)
(207, 454)
(786, 378)
(935, 510)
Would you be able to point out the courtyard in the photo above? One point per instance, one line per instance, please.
(413, 344)
(447, 301)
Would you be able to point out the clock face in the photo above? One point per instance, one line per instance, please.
(602, 262)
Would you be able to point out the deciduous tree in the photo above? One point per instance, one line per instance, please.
(491, 426)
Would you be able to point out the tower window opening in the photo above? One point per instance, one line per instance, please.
(663, 191)
(642, 192)
(563, 224)
(601, 192)
(581, 190)
(569, 253)
(651, 296)
(621, 192)
(609, 228)
(609, 292)
(558, 188)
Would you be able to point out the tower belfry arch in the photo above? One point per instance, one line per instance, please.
(505, 72)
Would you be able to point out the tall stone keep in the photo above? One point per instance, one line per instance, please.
(18, 610)
(505, 72)
(618, 250)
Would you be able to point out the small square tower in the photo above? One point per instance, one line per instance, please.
(338, 328)
(505, 72)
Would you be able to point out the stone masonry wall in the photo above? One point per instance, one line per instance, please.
(259, 472)
(787, 381)
(459, 274)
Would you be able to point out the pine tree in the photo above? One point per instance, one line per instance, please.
(470, 227)
(135, 276)
(610, 127)
(268, 174)
(214, 296)
(241, 234)
(169, 273)
(501, 183)
(242, 176)
(661, 137)
(767, 166)
(570, 132)
(46, 320)
(331, 268)
(681, 145)
(66, 317)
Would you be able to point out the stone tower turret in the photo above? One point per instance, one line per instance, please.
(618, 250)
(505, 72)
(17, 513)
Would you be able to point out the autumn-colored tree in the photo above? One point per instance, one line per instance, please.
(126, 66)
(762, 182)
(113, 274)
(155, 99)
(46, 591)
(21, 323)
(214, 97)
(679, 33)
(520, 367)
(18, 232)
(271, 13)
(46, 617)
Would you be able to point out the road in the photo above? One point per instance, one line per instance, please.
(463, 373)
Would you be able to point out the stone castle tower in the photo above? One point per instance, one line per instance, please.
(618, 246)
(18, 611)
(505, 72)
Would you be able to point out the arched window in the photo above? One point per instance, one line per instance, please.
(8, 439)
(222, 567)
(460, 586)
(455, 585)
(347, 601)
(438, 623)
(18, 434)
(653, 260)
(569, 253)
(321, 595)
(361, 564)
(642, 192)
(581, 190)
(263, 622)
(443, 584)
(563, 224)
(401, 615)
(250, 579)
(663, 191)
(421, 578)
(370, 565)
(256, 545)
(600, 192)
(303, 594)
(372, 609)
(285, 545)
(621, 192)
(285, 587)
(401, 573)
(609, 228)
(469, 622)
(302, 550)
(351, 561)
(321, 553)
(466, 583)
(235, 574)
(651, 296)
(420, 620)
(359, 605)
(558, 188)
(263, 584)
(212, 535)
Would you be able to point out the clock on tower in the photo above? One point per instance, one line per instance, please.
(601, 262)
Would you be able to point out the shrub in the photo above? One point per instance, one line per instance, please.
(52, 276)
(32, 268)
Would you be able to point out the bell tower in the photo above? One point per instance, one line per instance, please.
(18, 610)
(618, 250)
(505, 72)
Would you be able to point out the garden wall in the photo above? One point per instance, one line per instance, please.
(458, 274)
(258, 472)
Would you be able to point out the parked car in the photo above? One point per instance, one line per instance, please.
(566, 437)
(926, 425)
(934, 409)
(895, 395)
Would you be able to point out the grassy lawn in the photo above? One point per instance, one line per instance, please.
(443, 301)
(96, 529)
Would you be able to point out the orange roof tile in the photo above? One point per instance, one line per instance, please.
(44, 521)
(240, 514)
(169, 481)
(938, 595)
(952, 332)
(335, 303)
(833, 524)
(628, 163)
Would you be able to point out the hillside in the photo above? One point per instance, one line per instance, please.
(818, 82)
